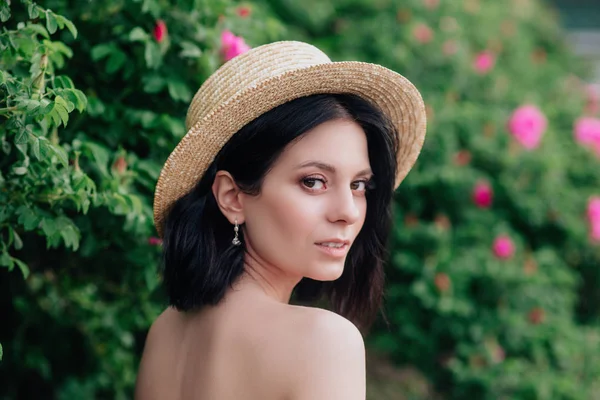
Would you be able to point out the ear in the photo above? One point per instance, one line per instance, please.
(228, 194)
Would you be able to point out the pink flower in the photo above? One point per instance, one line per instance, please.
(503, 247)
(243, 11)
(232, 46)
(587, 131)
(483, 195)
(160, 30)
(422, 33)
(484, 62)
(595, 233)
(593, 214)
(527, 124)
(154, 241)
(593, 210)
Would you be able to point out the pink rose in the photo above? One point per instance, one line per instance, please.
(593, 210)
(595, 232)
(423, 33)
(154, 241)
(160, 30)
(483, 195)
(232, 46)
(484, 62)
(593, 214)
(587, 131)
(503, 247)
(243, 11)
(527, 124)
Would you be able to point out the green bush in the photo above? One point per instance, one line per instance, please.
(521, 324)
(77, 187)
(92, 105)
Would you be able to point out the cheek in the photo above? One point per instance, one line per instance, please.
(279, 229)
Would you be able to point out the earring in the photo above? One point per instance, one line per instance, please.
(236, 241)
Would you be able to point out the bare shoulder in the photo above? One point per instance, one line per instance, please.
(151, 363)
(329, 356)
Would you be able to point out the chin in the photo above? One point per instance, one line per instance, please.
(327, 272)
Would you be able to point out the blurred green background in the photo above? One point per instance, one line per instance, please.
(493, 283)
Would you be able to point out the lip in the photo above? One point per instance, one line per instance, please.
(338, 252)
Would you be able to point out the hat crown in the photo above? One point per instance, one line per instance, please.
(249, 70)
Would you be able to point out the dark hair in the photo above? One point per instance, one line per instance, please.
(199, 261)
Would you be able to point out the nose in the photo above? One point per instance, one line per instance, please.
(345, 207)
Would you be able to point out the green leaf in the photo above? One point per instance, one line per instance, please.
(4, 13)
(18, 241)
(49, 226)
(70, 235)
(60, 153)
(190, 50)
(5, 147)
(60, 47)
(1, 352)
(137, 34)
(39, 29)
(46, 106)
(64, 21)
(45, 147)
(51, 24)
(35, 147)
(179, 91)
(62, 112)
(100, 155)
(153, 83)
(61, 101)
(22, 136)
(102, 50)
(27, 217)
(116, 61)
(54, 115)
(82, 102)
(71, 27)
(19, 170)
(29, 105)
(23, 267)
(118, 204)
(6, 261)
(33, 11)
(152, 55)
(62, 81)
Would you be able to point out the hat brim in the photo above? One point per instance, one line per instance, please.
(395, 95)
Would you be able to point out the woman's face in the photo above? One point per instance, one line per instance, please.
(312, 203)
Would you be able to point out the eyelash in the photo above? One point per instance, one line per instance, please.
(368, 183)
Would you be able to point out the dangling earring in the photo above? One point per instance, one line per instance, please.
(236, 241)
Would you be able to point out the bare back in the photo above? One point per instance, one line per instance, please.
(241, 350)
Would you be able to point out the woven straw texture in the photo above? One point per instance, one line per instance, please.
(265, 77)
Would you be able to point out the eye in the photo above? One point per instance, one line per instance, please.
(313, 183)
(362, 186)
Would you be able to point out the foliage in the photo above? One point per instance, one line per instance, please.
(495, 300)
(77, 188)
(490, 297)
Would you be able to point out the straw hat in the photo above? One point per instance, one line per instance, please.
(265, 77)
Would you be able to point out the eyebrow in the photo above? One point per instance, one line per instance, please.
(329, 167)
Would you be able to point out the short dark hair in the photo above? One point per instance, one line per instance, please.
(199, 260)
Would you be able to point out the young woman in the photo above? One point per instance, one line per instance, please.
(278, 195)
